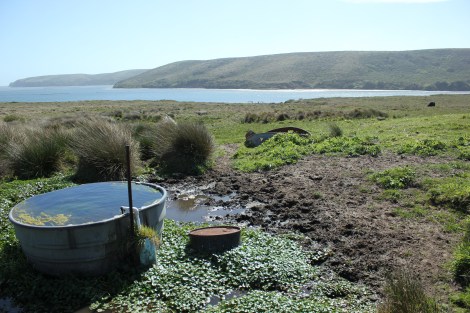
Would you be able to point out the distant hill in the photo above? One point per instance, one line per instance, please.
(75, 79)
(439, 69)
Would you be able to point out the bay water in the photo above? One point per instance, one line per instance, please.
(85, 93)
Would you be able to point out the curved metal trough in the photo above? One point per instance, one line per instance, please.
(92, 248)
(253, 140)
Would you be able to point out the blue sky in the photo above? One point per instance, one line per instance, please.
(46, 37)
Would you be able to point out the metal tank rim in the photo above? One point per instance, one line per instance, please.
(143, 208)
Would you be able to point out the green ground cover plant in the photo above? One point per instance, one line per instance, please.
(463, 146)
(348, 146)
(395, 178)
(276, 267)
(278, 150)
(288, 148)
(452, 192)
(426, 147)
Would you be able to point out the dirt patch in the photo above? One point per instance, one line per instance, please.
(330, 200)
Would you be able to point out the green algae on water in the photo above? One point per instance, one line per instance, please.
(43, 219)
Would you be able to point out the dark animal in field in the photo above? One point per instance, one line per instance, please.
(432, 104)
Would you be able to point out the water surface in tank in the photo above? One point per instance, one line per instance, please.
(82, 204)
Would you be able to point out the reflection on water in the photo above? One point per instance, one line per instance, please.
(196, 207)
(82, 204)
(7, 305)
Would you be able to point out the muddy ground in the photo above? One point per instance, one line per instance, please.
(330, 200)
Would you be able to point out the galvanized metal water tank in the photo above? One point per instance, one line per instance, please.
(93, 243)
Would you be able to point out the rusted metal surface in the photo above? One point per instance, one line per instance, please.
(253, 140)
(214, 239)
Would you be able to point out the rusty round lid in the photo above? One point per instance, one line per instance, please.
(214, 231)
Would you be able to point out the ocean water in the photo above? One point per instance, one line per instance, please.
(84, 93)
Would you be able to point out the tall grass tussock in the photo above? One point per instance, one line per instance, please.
(404, 293)
(100, 148)
(184, 148)
(35, 152)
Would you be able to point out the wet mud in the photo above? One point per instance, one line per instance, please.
(329, 200)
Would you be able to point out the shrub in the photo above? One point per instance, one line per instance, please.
(266, 118)
(100, 148)
(300, 116)
(183, 148)
(282, 117)
(13, 118)
(314, 115)
(335, 130)
(395, 178)
(365, 113)
(250, 118)
(37, 153)
(404, 293)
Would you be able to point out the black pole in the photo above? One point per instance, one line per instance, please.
(129, 190)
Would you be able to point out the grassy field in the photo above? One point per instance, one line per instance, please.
(437, 191)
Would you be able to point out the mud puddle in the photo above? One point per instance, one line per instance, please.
(196, 205)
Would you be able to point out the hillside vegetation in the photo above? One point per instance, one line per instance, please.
(75, 79)
(440, 69)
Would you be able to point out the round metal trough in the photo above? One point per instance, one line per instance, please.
(56, 244)
(214, 239)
